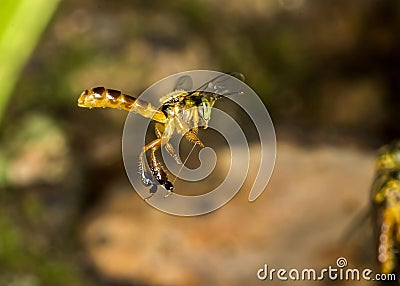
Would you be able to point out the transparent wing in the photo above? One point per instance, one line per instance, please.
(238, 75)
(184, 82)
(218, 84)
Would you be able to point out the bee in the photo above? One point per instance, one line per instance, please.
(385, 197)
(182, 111)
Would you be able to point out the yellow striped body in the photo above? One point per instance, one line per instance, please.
(386, 202)
(103, 97)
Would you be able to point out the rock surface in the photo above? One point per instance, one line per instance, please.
(312, 201)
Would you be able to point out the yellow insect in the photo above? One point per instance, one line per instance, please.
(181, 111)
(386, 203)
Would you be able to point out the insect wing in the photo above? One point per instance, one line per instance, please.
(219, 84)
(184, 82)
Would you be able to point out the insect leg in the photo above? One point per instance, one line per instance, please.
(192, 137)
(159, 130)
(158, 172)
(144, 172)
(189, 134)
(195, 115)
(156, 168)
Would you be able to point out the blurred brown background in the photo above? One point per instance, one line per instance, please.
(328, 73)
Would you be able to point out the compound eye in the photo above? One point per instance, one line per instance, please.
(168, 186)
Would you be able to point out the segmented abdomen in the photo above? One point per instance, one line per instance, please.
(103, 97)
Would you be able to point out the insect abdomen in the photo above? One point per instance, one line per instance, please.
(103, 97)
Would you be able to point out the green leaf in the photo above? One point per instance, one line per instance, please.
(21, 24)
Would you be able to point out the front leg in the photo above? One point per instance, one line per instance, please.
(159, 129)
(189, 134)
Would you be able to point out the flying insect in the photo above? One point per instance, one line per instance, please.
(182, 111)
(385, 197)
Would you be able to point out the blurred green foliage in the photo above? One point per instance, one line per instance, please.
(21, 24)
(22, 262)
